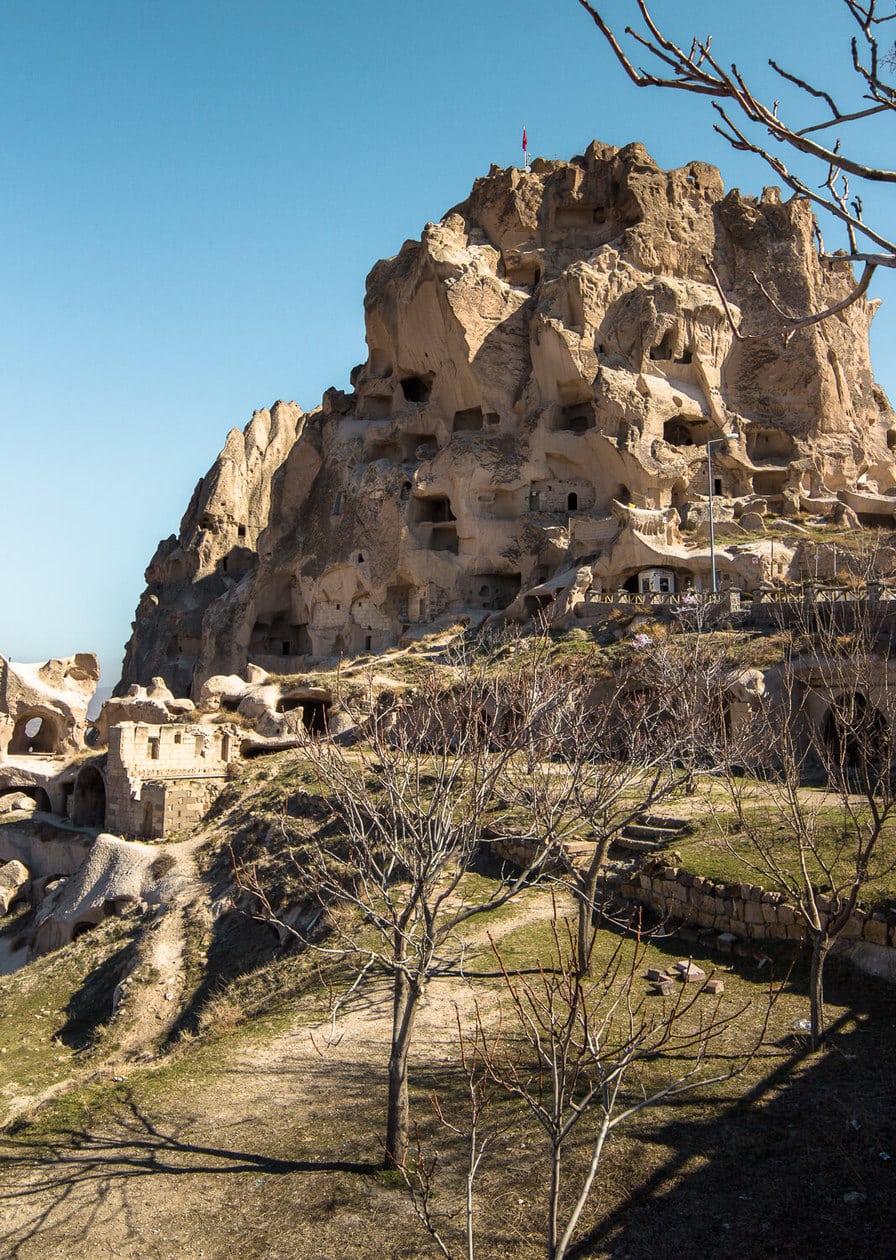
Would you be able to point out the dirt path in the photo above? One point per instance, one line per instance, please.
(270, 1153)
(147, 1012)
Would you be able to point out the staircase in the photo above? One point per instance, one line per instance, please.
(650, 833)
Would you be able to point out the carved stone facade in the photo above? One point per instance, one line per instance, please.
(161, 779)
(545, 367)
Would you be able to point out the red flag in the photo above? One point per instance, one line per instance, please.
(525, 145)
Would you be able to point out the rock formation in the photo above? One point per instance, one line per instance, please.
(154, 704)
(529, 430)
(43, 708)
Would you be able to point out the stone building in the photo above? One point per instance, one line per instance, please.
(160, 779)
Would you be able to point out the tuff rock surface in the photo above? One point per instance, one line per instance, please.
(529, 430)
(43, 708)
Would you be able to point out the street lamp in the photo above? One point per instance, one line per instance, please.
(726, 437)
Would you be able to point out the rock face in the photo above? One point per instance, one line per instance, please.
(529, 431)
(43, 708)
(154, 704)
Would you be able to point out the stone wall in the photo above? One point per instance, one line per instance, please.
(172, 806)
(519, 850)
(743, 909)
(160, 779)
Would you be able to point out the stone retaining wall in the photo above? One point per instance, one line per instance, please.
(742, 909)
(516, 849)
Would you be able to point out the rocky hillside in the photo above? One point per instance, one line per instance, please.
(529, 431)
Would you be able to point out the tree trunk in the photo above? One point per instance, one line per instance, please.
(586, 896)
(821, 946)
(404, 1008)
(554, 1201)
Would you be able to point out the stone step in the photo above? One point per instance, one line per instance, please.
(664, 820)
(647, 831)
(640, 846)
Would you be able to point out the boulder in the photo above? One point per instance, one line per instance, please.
(13, 802)
(14, 883)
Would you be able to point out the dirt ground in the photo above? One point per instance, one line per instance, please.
(263, 1145)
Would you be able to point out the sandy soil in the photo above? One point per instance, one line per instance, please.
(252, 1160)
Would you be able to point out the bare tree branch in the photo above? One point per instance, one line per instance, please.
(750, 125)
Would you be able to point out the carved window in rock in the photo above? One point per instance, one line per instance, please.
(664, 350)
(470, 420)
(577, 418)
(435, 509)
(771, 482)
(681, 431)
(769, 444)
(34, 734)
(416, 389)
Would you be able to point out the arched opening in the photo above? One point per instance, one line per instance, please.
(89, 798)
(34, 733)
(86, 925)
(416, 389)
(572, 502)
(663, 350)
(856, 735)
(769, 444)
(314, 716)
(41, 799)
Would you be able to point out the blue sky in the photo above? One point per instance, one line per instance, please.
(193, 194)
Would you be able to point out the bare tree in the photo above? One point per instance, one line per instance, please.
(831, 713)
(581, 1057)
(639, 745)
(412, 801)
(751, 124)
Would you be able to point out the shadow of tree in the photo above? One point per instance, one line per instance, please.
(797, 1165)
(66, 1182)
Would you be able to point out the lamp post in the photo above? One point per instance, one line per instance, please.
(726, 437)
